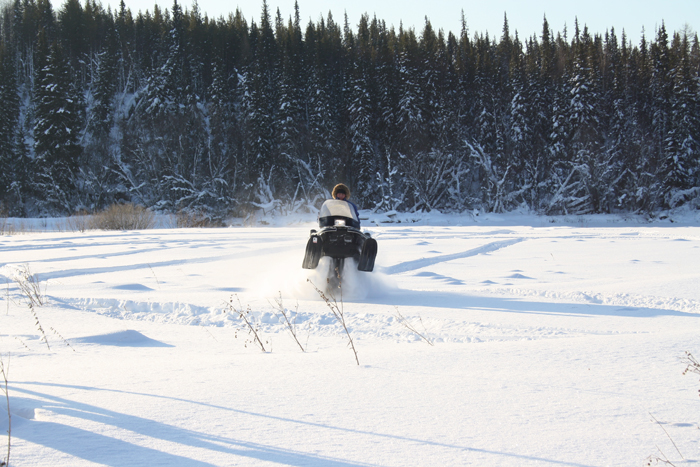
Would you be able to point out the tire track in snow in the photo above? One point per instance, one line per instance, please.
(423, 262)
(60, 274)
(627, 303)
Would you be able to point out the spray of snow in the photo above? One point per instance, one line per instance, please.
(291, 281)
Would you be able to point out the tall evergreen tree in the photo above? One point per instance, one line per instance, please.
(56, 133)
(10, 163)
(682, 144)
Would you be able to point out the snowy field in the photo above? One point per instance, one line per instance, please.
(555, 342)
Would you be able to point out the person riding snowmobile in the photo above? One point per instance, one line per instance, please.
(340, 237)
(342, 192)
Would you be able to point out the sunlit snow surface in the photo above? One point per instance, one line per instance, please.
(556, 342)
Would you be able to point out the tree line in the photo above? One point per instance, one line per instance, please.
(177, 111)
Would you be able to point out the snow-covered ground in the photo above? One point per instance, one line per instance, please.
(557, 341)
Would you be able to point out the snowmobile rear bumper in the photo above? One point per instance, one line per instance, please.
(340, 243)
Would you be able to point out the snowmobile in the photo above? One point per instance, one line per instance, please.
(339, 237)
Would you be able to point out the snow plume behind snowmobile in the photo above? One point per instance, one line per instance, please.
(340, 237)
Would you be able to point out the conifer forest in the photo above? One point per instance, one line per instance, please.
(176, 111)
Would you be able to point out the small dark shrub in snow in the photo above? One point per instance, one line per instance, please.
(124, 217)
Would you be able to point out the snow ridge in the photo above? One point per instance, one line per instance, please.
(362, 325)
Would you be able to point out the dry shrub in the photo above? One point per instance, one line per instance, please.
(79, 222)
(6, 227)
(196, 219)
(124, 217)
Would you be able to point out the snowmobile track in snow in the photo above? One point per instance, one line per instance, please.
(424, 262)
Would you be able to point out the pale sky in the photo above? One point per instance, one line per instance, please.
(525, 16)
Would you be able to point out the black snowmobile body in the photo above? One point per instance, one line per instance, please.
(339, 237)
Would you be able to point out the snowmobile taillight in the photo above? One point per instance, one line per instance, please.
(339, 222)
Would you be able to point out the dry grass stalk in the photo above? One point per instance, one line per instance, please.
(247, 318)
(338, 312)
(4, 373)
(692, 365)
(408, 325)
(63, 339)
(31, 288)
(289, 321)
(665, 459)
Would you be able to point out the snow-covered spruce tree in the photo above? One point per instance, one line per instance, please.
(410, 114)
(441, 105)
(15, 162)
(642, 161)
(322, 143)
(59, 121)
(535, 109)
(72, 36)
(576, 138)
(165, 152)
(424, 185)
(360, 168)
(103, 87)
(261, 104)
(585, 125)
(96, 175)
(294, 115)
(623, 145)
(561, 173)
(149, 149)
(519, 135)
(661, 93)
(607, 168)
(682, 145)
(196, 182)
(466, 63)
(386, 131)
(487, 149)
(408, 128)
(391, 184)
(9, 119)
(324, 98)
(224, 138)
